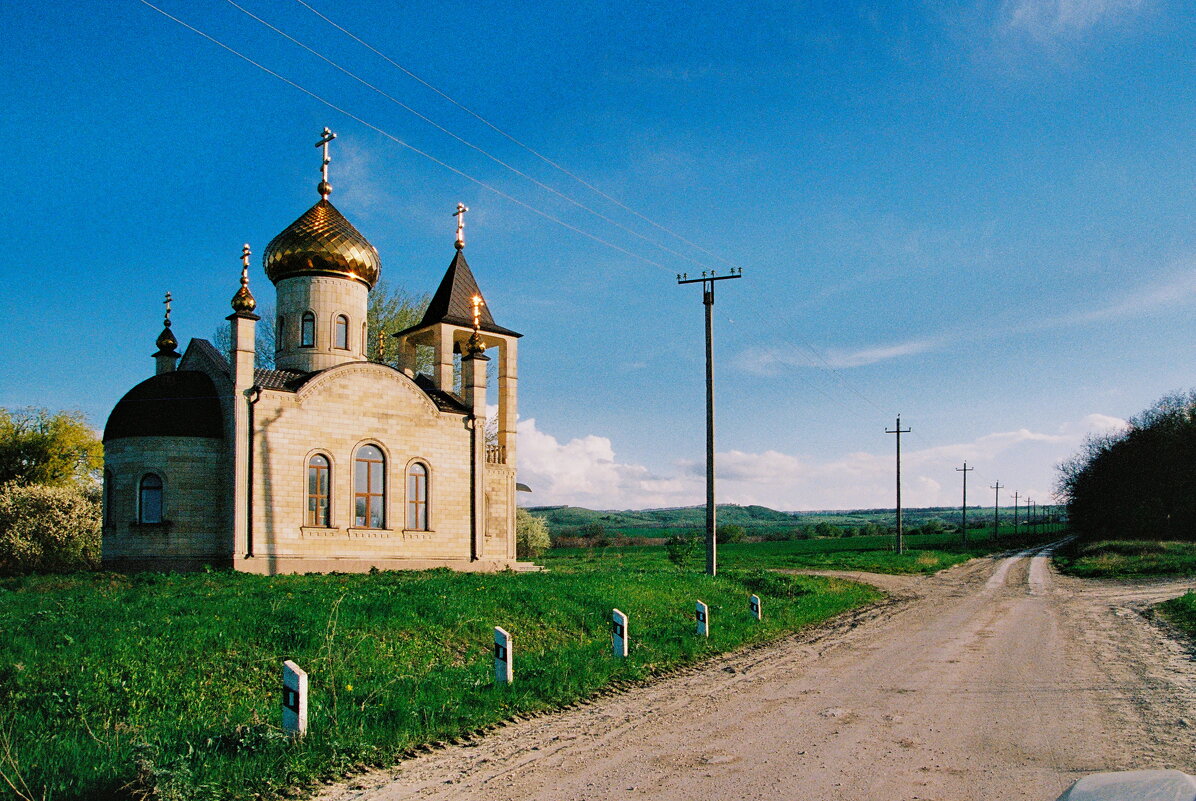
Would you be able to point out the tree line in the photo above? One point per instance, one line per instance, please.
(1138, 482)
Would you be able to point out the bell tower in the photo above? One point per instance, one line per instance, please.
(322, 269)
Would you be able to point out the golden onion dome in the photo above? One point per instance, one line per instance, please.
(322, 242)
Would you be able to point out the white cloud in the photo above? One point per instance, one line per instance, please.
(1054, 19)
(585, 472)
(1178, 289)
(770, 361)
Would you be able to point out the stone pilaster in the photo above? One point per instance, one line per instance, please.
(473, 386)
(508, 392)
(242, 325)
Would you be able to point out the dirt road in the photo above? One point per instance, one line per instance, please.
(998, 679)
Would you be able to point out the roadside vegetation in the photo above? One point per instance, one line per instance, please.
(166, 686)
(1180, 612)
(1127, 558)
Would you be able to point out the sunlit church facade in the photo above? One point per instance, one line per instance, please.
(329, 461)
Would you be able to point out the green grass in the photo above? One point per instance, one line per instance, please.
(1180, 612)
(926, 553)
(1116, 558)
(167, 686)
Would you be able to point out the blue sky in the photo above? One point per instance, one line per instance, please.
(975, 214)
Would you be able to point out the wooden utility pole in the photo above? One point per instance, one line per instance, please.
(708, 300)
(1015, 514)
(965, 470)
(996, 504)
(900, 533)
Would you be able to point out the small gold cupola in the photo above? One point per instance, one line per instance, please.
(243, 302)
(167, 355)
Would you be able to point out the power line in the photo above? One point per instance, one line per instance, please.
(464, 141)
(503, 133)
(396, 140)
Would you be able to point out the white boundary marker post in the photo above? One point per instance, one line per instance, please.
(294, 699)
(702, 613)
(504, 672)
(618, 633)
(754, 605)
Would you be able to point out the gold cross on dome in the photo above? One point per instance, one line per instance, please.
(325, 138)
(460, 215)
(167, 302)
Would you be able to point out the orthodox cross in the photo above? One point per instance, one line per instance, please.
(245, 254)
(166, 321)
(381, 354)
(460, 215)
(325, 188)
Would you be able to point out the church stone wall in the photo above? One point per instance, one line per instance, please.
(335, 414)
(500, 512)
(195, 531)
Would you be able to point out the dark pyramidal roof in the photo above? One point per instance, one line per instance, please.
(451, 303)
(182, 403)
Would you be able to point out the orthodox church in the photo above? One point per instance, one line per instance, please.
(329, 461)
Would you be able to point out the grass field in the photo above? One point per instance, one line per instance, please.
(167, 686)
(1114, 558)
(925, 554)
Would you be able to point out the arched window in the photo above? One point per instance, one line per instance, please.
(365, 344)
(341, 339)
(149, 500)
(280, 334)
(417, 497)
(318, 473)
(109, 497)
(369, 488)
(307, 337)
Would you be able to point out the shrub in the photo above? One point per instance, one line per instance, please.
(48, 529)
(731, 533)
(680, 548)
(531, 535)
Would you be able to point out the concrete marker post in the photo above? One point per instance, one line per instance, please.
(504, 672)
(754, 606)
(618, 633)
(294, 699)
(702, 613)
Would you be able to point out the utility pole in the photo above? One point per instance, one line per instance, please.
(965, 470)
(1034, 515)
(1015, 514)
(708, 301)
(996, 500)
(899, 431)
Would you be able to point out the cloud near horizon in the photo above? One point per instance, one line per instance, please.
(584, 471)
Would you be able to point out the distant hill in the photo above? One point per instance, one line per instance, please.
(688, 517)
(684, 517)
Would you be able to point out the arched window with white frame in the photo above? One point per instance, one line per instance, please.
(340, 332)
(319, 479)
(417, 497)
